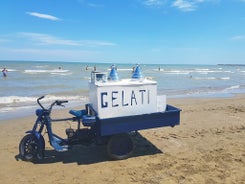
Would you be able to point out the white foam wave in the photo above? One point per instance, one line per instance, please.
(124, 69)
(158, 69)
(202, 69)
(16, 99)
(20, 99)
(211, 78)
(177, 72)
(19, 106)
(9, 70)
(121, 69)
(225, 78)
(46, 71)
(233, 87)
(204, 78)
(211, 71)
(60, 73)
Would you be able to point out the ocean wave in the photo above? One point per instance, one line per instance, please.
(16, 106)
(212, 71)
(211, 78)
(204, 78)
(186, 72)
(61, 73)
(225, 78)
(12, 70)
(233, 87)
(16, 99)
(46, 71)
(9, 70)
(202, 69)
(20, 99)
(124, 69)
(121, 69)
(158, 70)
(176, 72)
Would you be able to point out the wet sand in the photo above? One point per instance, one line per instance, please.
(207, 147)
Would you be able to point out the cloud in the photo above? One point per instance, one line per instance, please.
(93, 5)
(156, 3)
(238, 37)
(2, 40)
(49, 54)
(96, 43)
(191, 5)
(45, 39)
(90, 4)
(187, 5)
(183, 5)
(43, 16)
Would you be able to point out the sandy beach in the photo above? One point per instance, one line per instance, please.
(207, 147)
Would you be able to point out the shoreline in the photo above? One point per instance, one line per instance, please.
(22, 112)
(207, 147)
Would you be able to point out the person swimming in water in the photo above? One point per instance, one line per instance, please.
(4, 71)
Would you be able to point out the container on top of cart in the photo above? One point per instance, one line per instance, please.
(124, 105)
(126, 97)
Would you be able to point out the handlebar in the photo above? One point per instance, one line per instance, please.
(60, 102)
(56, 102)
(38, 101)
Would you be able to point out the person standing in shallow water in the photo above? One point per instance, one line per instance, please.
(4, 71)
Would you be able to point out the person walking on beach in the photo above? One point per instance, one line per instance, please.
(4, 71)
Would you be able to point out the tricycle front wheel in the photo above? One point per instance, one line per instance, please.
(120, 146)
(28, 147)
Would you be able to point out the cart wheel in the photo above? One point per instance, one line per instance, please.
(120, 146)
(28, 147)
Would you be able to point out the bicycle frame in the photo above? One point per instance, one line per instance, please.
(44, 120)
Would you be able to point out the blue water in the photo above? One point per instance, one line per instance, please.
(26, 81)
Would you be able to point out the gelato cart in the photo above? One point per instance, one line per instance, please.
(117, 107)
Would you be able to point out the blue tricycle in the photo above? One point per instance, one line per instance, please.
(114, 132)
(116, 109)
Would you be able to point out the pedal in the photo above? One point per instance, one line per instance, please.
(70, 133)
(59, 148)
(55, 142)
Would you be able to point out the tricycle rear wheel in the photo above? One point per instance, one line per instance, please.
(28, 147)
(120, 146)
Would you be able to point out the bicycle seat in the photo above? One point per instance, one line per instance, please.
(78, 113)
(88, 120)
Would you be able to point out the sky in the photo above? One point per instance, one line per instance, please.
(126, 31)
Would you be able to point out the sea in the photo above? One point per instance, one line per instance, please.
(28, 80)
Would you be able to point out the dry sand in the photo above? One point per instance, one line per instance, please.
(207, 147)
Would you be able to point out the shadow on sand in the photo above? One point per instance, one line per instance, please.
(84, 155)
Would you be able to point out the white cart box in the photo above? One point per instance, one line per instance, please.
(125, 97)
